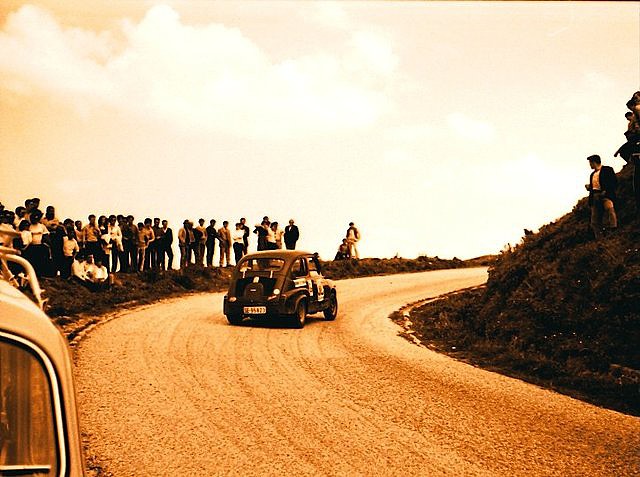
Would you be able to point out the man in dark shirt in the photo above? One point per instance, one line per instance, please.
(291, 235)
(602, 196)
(212, 235)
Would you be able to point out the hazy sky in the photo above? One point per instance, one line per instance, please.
(438, 128)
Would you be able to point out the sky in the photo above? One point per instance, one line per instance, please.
(439, 128)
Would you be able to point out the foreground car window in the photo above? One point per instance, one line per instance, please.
(262, 265)
(27, 422)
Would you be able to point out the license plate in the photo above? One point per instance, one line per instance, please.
(255, 310)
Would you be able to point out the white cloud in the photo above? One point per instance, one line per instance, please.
(374, 52)
(209, 78)
(472, 129)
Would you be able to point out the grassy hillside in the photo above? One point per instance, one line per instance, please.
(561, 309)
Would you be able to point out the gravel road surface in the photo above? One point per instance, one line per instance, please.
(172, 389)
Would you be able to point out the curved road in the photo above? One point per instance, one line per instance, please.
(172, 389)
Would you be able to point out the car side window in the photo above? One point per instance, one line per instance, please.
(313, 267)
(27, 418)
(298, 269)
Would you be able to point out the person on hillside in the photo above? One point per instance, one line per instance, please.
(278, 233)
(291, 235)
(237, 237)
(91, 237)
(245, 239)
(185, 239)
(201, 238)
(38, 252)
(210, 244)
(92, 274)
(602, 196)
(343, 251)
(70, 249)
(156, 246)
(130, 244)
(166, 246)
(224, 238)
(262, 231)
(353, 236)
(115, 234)
(147, 237)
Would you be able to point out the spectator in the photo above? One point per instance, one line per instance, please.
(602, 196)
(143, 243)
(238, 242)
(130, 235)
(19, 216)
(50, 220)
(57, 233)
(343, 251)
(24, 240)
(115, 235)
(166, 246)
(271, 236)
(224, 238)
(353, 236)
(105, 241)
(278, 233)
(212, 235)
(70, 249)
(37, 252)
(201, 239)
(185, 239)
(91, 237)
(147, 231)
(90, 273)
(245, 239)
(156, 245)
(291, 235)
(78, 231)
(262, 231)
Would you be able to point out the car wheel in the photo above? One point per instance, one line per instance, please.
(331, 311)
(300, 315)
(234, 319)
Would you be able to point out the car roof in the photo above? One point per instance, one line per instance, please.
(286, 255)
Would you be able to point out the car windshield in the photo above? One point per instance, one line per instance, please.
(262, 265)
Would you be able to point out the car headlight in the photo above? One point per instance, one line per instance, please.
(232, 299)
(276, 291)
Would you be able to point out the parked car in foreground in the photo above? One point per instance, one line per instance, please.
(280, 283)
(39, 434)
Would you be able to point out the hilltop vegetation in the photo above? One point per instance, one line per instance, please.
(561, 309)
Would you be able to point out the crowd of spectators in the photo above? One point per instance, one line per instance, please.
(92, 251)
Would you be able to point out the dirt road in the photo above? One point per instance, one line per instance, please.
(172, 389)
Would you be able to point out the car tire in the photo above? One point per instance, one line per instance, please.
(331, 311)
(300, 316)
(234, 319)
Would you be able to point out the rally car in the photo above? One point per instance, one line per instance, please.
(280, 283)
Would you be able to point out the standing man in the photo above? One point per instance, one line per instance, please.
(602, 195)
(166, 246)
(202, 241)
(353, 236)
(185, 239)
(224, 237)
(156, 246)
(291, 235)
(212, 235)
(91, 237)
(245, 238)
(238, 242)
